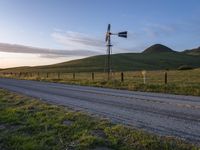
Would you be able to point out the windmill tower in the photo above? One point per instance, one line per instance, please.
(109, 45)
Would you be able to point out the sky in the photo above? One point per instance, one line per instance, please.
(40, 32)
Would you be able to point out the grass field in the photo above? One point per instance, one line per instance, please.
(120, 62)
(29, 124)
(186, 82)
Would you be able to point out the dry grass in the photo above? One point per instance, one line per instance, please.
(186, 82)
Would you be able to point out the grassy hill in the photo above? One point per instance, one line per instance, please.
(158, 48)
(195, 51)
(120, 62)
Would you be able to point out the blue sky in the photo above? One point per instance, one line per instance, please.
(74, 25)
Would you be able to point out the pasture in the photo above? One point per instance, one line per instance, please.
(185, 82)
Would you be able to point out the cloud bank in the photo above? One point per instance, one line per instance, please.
(47, 53)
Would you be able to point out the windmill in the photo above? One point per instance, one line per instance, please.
(109, 45)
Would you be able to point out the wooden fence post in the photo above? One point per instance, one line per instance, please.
(165, 77)
(122, 77)
(74, 76)
(92, 76)
(58, 75)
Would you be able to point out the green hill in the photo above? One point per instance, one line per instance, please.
(195, 51)
(158, 48)
(120, 62)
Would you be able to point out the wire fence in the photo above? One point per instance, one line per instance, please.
(141, 77)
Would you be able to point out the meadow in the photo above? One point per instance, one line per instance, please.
(29, 124)
(185, 82)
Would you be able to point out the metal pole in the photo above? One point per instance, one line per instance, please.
(109, 65)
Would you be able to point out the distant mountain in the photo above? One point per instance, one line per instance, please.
(195, 51)
(158, 48)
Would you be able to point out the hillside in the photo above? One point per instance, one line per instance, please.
(195, 51)
(120, 62)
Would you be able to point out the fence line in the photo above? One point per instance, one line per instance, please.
(81, 76)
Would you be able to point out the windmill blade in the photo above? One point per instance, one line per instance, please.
(106, 37)
(109, 26)
(123, 34)
(108, 32)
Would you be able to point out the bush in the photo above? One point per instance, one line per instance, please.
(185, 67)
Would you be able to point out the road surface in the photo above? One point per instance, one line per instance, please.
(163, 114)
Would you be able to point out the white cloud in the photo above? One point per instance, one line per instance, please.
(74, 40)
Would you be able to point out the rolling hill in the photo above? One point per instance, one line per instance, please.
(157, 57)
(158, 48)
(195, 51)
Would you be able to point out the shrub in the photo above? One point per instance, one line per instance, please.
(185, 67)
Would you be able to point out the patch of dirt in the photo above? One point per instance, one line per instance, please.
(102, 148)
(2, 127)
(9, 127)
(68, 122)
(20, 103)
(99, 133)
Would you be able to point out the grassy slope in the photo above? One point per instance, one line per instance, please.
(121, 62)
(195, 51)
(29, 124)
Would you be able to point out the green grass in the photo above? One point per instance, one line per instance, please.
(120, 62)
(185, 82)
(29, 124)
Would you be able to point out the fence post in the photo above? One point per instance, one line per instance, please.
(165, 77)
(58, 75)
(92, 76)
(122, 77)
(47, 75)
(74, 76)
(144, 76)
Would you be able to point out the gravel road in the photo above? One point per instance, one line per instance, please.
(163, 114)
